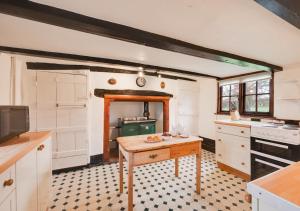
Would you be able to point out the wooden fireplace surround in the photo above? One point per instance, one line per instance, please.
(108, 98)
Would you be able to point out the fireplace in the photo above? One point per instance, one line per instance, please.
(131, 96)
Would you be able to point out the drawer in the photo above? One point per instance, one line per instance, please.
(151, 156)
(7, 182)
(233, 130)
(233, 142)
(184, 150)
(241, 162)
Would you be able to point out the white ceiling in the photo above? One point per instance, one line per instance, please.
(237, 26)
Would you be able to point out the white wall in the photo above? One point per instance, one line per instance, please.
(208, 107)
(5, 64)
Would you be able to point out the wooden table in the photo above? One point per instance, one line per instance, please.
(137, 152)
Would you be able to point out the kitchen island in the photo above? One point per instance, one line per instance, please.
(137, 152)
(278, 191)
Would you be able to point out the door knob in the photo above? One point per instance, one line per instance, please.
(8, 182)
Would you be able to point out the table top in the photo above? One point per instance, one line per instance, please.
(284, 183)
(138, 144)
(14, 149)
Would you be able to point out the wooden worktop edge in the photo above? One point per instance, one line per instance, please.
(34, 139)
(232, 124)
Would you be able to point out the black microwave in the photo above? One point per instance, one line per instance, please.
(14, 120)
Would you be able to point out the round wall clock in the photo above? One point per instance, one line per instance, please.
(140, 81)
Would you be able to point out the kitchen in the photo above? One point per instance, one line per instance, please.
(212, 125)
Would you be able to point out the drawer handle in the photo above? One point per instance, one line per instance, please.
(41, 147)
(220, 155)
(153, 156)
(219, 128)
(243, 163)
(243, 146)
(242, 131)
(219, 139)
(8, 182)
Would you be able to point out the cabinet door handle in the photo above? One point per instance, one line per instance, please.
(41, 147)
(219, 128)
(8, 182)
(243, 146)
(219, 139)
(220, 155)
(153, 156)
(242, 131)
(243, 163)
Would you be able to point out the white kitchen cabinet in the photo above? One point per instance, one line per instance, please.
(44, 174)
(233, 147)
(9, 204)
(26, 182)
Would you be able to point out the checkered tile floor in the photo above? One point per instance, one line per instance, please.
(156, 188)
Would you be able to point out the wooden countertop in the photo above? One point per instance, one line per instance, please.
(13, 150)
(137, 143)
(284, 183)
(239, 123)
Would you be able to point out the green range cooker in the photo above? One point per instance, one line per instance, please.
(137, 127)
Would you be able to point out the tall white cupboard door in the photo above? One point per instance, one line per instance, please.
(9, 204)
(72, 136)
(44, 174)
(26, 186)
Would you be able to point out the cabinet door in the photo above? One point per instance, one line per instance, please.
(26, 186)
(9, 204)
(220, 150)
(44, 174)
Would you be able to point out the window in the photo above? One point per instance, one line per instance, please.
(229, 97)
(249, 98)
(257, 96)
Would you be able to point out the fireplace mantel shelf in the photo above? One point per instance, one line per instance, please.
(102, 92)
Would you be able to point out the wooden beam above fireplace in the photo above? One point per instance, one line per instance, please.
(126, 95)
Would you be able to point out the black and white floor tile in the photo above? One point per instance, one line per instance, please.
(155, 188)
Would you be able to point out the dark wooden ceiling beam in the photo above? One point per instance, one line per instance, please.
(81, 58)
(288, 10)
(62, 18)
(54, 66)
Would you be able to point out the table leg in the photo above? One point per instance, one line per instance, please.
(176, 167)
(198, 172)
(130, 181)
(121, 171)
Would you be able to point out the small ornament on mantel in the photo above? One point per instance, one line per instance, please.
(112, 81)
(162, 84)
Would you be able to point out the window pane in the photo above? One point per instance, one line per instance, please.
(234, 89)
(250, 104)
(263, 86)
(225, 90)
(225, 103)
(263, 103)
(234, 104)
(251, 87)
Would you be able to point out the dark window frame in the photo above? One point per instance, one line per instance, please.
(229, 96)
(242, 95)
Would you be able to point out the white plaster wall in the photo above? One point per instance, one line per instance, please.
(5, 64)
(207, 105)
